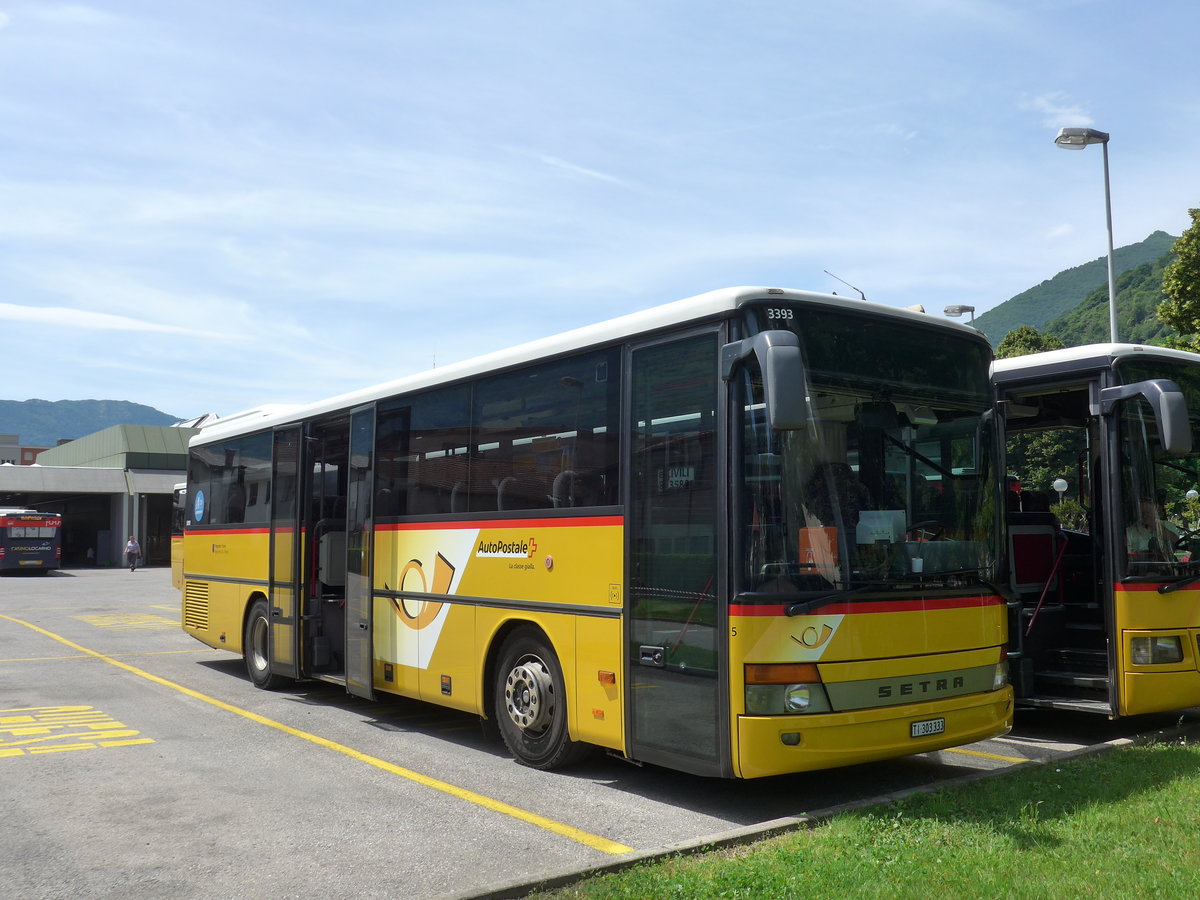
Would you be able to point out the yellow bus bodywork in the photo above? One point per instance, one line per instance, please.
(565, 577)
(1142, 612)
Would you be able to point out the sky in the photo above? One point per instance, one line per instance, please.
(210, 206)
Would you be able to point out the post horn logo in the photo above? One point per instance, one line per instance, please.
(414, 612)
(811, 638)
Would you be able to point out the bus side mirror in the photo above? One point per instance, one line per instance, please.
(785, 380)
(1170, 410)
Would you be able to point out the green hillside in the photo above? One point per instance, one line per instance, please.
(1139, 291)
(1051, 299)
(43, 423)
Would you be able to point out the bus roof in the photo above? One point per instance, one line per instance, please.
(711, 305)
(1077, 360)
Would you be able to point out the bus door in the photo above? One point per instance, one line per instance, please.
(359, 531)
(1156, 605)
(675, 620)
(1058, 581)
(286, 548)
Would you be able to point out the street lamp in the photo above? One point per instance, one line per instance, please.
(1077, 139)
(1060, 485)
(958, 309)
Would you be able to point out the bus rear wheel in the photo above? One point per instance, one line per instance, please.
(531, 703)
(256, 647)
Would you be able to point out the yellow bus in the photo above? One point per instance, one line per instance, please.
(748, 533)
(1105, 563)
(178, 516)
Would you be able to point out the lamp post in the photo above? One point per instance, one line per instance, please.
(958, 309)
(1060, 485)
(1077, 139)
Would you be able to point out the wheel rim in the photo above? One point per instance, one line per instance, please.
(529, 695)
(258, 644)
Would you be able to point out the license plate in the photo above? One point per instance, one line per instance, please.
(927, 727)
(29, 562)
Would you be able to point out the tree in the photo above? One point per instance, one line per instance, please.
(1181, 284)
(1026, 339)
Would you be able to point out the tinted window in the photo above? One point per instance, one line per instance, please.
(546, 437)
(422, 454)
(235, 478)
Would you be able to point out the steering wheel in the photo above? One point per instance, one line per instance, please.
(929, 530)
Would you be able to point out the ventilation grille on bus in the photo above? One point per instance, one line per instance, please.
(195, 605)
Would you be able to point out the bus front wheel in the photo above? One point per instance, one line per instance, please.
(531, 703)
(256, 647)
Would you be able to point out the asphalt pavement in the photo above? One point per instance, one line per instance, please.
(136, 762)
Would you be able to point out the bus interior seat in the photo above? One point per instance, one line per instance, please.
(331, 558)
(1033, 545)
(522, 492)
(571, 489)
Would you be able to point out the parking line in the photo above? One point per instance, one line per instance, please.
(589, 840)
(980, 753)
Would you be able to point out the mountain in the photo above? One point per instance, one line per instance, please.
(1059, 295)
(43, 423)
(1139, 292)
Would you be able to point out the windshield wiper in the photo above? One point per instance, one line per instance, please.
(1179, 584)
(917, 455)
(803, 606)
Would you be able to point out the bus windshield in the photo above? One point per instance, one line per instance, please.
(1158, 518)
(891, 483)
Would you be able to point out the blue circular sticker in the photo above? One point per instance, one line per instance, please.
(199, 507)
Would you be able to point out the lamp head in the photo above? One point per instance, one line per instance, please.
(1078, 138)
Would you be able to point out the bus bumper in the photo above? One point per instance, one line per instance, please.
(1151, 692)
(850, 738)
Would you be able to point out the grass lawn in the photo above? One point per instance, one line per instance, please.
(1122, 824)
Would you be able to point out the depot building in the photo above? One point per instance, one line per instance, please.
(106, 486)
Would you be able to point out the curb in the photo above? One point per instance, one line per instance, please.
(762, 831)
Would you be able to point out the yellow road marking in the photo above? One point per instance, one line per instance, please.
(126, 621)
(83, 656)
(980, 753)
(37, 730)
(590, 840)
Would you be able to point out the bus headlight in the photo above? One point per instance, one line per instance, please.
(1154, 651)
(797, 697)
(1000, 679)
(783, 689)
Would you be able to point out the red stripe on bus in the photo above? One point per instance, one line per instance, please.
(572, 522)
(870, 606)
(221, 532)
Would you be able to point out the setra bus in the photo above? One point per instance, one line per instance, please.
(30, 540)
(748, 533)
(1106, 612)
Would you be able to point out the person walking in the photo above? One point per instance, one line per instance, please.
(132, 551)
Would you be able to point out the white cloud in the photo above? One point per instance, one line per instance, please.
(1057, 111)
(578, 170)
(66, 317)
(68, 14)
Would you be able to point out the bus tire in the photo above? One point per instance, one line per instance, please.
(256, 647)
(531, 703)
